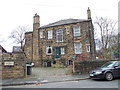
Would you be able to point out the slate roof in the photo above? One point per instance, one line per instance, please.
(64, 22)
(3, 50)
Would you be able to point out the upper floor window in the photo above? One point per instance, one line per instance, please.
(50, 34)
(59, 35)
(78, 48)
(76, 30)
(42, 34)
(67, 30)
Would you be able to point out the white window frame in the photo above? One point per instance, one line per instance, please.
(50, 34)
(67, 30)
(88, 48)
(76, 30)
(41, 34)
(78, 48)
(62, 50)
(59, 34)
(47, 48)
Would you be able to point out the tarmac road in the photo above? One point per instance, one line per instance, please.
(74, 84)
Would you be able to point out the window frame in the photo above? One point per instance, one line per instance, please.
(59, 34)
(50, 34)
(88, 48)
(41, 34)
(47, 47)
(78, 46)
(77, 31)
(62, 49)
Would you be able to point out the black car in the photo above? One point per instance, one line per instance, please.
(108, 71)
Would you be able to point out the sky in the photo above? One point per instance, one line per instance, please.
(14, 13)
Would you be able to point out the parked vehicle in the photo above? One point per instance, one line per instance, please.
(108, 71)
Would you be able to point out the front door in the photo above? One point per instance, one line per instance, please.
(57, 52)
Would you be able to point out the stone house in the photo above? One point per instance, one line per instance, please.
(61, 41)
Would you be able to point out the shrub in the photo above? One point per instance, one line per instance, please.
(86, 66)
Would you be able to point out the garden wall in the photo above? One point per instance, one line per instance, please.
(13, 65)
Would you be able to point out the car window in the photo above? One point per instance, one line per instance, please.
(108, 64)
(117, 64)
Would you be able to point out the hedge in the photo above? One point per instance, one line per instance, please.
(86, 66)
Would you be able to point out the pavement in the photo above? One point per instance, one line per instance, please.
(48, 75)
(24, 81)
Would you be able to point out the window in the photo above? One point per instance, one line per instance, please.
(48, 50)
(54, 62)
(59, 35)
(78, 48)
(76, 30)
(70, 62)
(62, 50)
(41, 34)
(88, 48)
(67, 30)
(50, 34)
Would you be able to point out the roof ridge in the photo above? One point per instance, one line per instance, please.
(63, 22)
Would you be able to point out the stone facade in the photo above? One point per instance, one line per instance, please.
(63, 40)
(13, 65)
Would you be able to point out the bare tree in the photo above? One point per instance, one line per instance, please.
(106, 27)
(19, 35)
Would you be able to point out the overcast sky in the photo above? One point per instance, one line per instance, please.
(20, 12)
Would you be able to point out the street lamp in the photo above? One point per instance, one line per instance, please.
(74, 57)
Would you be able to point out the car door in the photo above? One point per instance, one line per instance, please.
(116, 70)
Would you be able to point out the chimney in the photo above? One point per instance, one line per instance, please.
(89, 14)
(36, 18)
(36, 22)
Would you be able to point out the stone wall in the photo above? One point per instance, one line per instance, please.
(28, 48)
(13, 65)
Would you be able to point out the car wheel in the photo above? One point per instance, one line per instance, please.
(109, 76)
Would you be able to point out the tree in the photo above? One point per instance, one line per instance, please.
(19, 35)
(105, 28)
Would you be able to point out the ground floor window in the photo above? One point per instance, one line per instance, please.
(78, 48)
(62, 50)
(54, 62)
(88, 48)
(70, 62)
(49, 50)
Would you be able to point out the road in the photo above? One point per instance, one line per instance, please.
(74, 84)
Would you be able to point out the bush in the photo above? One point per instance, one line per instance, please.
(86, 66)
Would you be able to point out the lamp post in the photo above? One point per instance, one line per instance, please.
(74, 57)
